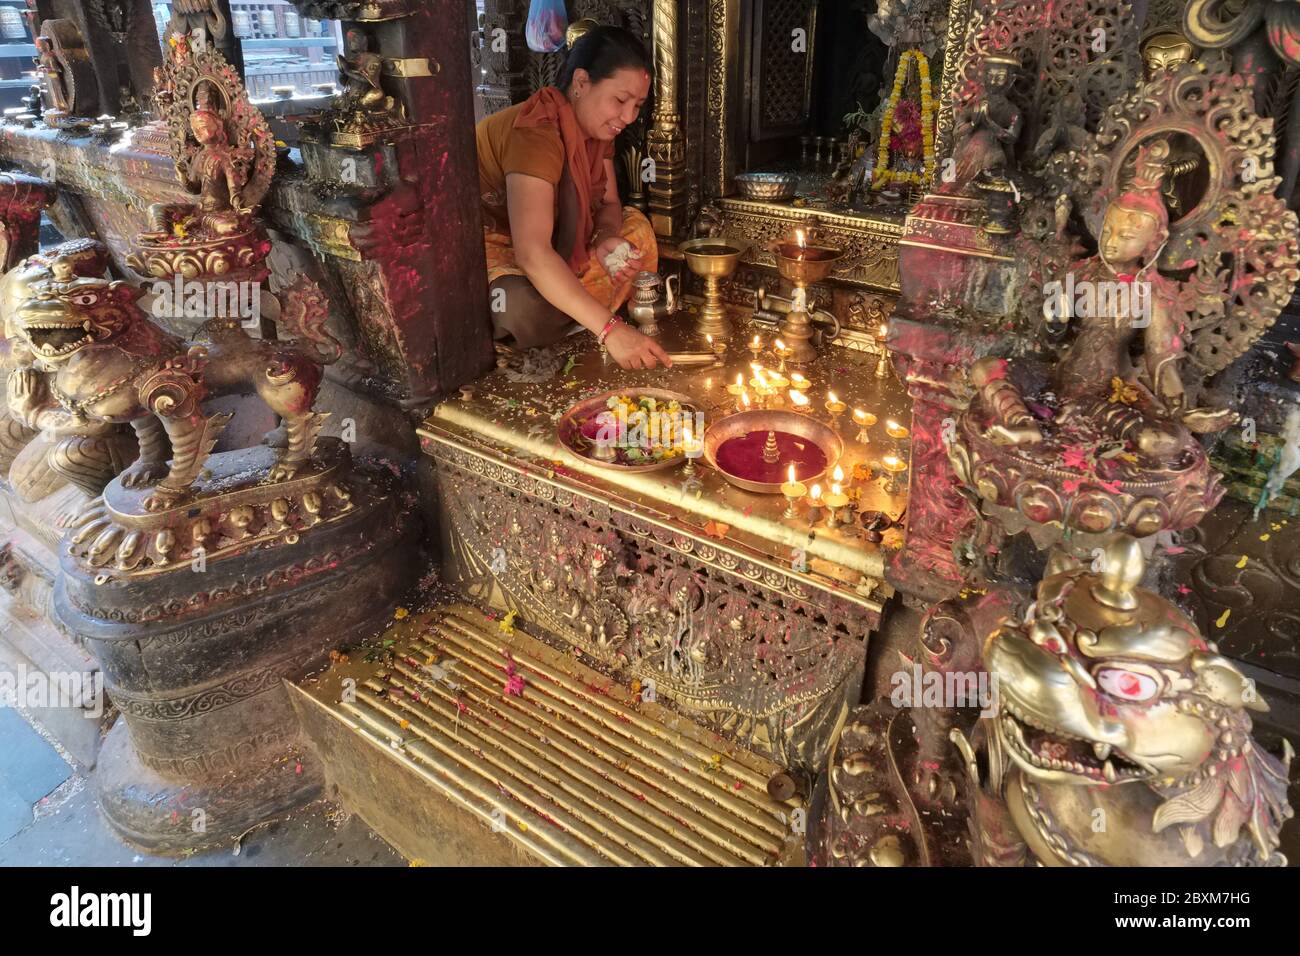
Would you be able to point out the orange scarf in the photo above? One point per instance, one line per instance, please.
(585, 159)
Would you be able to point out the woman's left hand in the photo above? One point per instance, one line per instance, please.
(605, 246)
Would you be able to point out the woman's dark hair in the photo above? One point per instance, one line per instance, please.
(602, 52)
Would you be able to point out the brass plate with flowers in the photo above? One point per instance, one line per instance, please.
(641, 430)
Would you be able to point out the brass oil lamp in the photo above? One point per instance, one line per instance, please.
(713, 260)
(802, 265)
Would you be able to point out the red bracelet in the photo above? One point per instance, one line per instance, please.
(609, 326)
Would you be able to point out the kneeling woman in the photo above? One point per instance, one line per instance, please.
(551, 210)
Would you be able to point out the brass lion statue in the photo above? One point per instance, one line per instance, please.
(1115, 735)
(85, 356)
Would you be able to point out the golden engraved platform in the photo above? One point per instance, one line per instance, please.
(753, 624)
(516, 420)
(564, 768)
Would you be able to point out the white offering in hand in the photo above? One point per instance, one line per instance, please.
(618, 258)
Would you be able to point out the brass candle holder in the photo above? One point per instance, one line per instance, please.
(802, 265)
(759, 384)
(882, 364)
(864, 420)
(798, 401)
(835, 500)
(814, 505)
(756, 347)
(718, 347)
(794, 490)
(713, 260)
(782, 352)
(777, 383)
(898, 433)
(737, 389)
(835, 407)
(692, 448)
(895, 467)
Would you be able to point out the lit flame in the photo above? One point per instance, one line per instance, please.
(835, 489)
(798, 380)
(893, 462)
(798, 238)
(740, 380)
(709, 339)
(780, 346)
(838, 474)
(798, 398)
(830, 397)
(860, 416)
(791, 473)
(816, 492)
(758, 343)
(744, 397)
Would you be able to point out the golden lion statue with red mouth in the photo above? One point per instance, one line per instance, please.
(1121, 737)
(85, 357)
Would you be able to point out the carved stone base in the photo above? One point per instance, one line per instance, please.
(161, 814)
(195, 662)
(231, 509)
(950, 261)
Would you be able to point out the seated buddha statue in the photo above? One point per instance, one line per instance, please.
(1112, 296)
(216, 170)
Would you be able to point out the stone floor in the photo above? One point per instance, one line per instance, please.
(48, 817)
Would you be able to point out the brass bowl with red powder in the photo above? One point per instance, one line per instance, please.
(734, 445)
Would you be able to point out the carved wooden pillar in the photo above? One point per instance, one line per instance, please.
(937, 513)
(434, 278)
(669, 189)
(22, 198)
(502, 56)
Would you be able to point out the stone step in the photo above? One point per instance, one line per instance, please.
(568, 766)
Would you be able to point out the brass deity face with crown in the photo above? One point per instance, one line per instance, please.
(1165, 51)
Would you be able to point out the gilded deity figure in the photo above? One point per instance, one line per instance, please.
(218, 171)
(359, 72)
(1113, 296)
(985, 141)
(1164, 53)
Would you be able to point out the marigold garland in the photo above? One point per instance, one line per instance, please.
(882, 175)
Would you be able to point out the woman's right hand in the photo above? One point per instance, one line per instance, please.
(633, 349)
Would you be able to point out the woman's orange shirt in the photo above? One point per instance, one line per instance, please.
(502, 149)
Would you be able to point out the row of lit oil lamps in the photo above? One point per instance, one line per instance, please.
(833, 506)
(768, 386)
